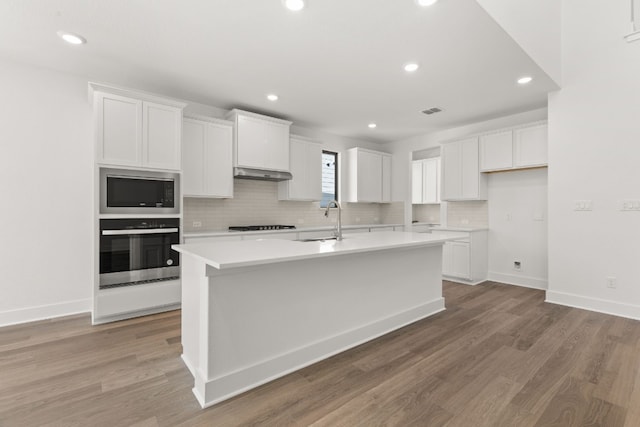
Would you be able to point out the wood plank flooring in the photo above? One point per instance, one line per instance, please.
(498, 356)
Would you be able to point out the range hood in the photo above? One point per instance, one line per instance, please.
(261, 174)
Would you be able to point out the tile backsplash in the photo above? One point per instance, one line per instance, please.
(475, 213)
(256, 202)
(426, 213)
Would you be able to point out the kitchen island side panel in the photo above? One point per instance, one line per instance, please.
(269, 320)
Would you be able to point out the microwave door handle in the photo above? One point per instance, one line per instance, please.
(139, 231)
(135, 253)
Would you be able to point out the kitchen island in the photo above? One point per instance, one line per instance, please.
(253, 311)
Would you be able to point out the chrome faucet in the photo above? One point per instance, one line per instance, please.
(338, 232)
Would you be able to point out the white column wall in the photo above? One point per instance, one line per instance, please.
(594, 152)
(46, 180)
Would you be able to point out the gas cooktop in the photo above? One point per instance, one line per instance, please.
(261, 227)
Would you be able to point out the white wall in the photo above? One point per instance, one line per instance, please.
(518, 227)
(594, 152)
(46, 187)
(535, 26)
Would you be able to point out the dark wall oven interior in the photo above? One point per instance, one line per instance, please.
(138, 251)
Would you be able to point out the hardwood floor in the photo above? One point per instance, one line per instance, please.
(498, 356)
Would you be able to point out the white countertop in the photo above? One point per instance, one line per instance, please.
(458, 228)
(225, 255)
(294, 230)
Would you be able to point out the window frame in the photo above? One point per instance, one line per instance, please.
(336, 182)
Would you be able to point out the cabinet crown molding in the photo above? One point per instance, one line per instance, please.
(494, 131)
(214, 120)
(132, 93)
(236, 112)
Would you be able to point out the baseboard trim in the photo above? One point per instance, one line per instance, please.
(594, 304)
(462, 281)
(43, 312)
(224, 387)
(519, 280)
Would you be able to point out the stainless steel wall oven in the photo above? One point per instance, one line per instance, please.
(138, 251)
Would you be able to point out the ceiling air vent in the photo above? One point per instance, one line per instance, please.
(432, 110)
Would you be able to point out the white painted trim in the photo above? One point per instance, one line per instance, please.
(462, 281)
(42, 312)
(594, 304)
(519, 280)
(234, 383)
(632, 37)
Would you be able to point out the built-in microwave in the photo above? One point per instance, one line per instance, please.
(125, 191)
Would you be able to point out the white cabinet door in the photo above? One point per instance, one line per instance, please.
(386, 178)
(431, 180)
(470, 169)
(451, 173)
(194, 133)
(496, 151)
(369, 177)
(262, 144)
(306, 167)
(208, 158)
(416, 182)
(119, 129)
(461, 178)
(161, 136)
(218, 154)
(460, 266)
(531, 146)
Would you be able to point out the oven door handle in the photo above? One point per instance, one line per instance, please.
(139, 231)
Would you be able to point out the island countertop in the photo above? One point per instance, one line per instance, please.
(246, 253)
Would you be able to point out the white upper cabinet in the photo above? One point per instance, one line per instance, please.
(496, 151)
(207, 158)
(136, 132)
(161, 136)
(530, 146)
(369, 176)
(426, 181)
(306, 167)
(260, 142)
(518, 148)
(461, 178)
(118, 129)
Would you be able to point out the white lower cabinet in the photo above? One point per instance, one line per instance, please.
(465, 260)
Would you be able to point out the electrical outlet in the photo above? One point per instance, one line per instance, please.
(197, 224)
(630, 205)
(612, 282)
(583, 205)
(517, 265)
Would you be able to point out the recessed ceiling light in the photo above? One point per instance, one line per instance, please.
(411, 67)
(372, 125)
(524, 80)
(425, 3)
(294, 5)
(272, 97)
(72, 38)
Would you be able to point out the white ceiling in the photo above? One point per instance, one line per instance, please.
(336, 66)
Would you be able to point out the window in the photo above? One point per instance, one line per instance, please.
(329, 177)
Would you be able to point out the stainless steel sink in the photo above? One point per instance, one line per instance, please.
(317, 239)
